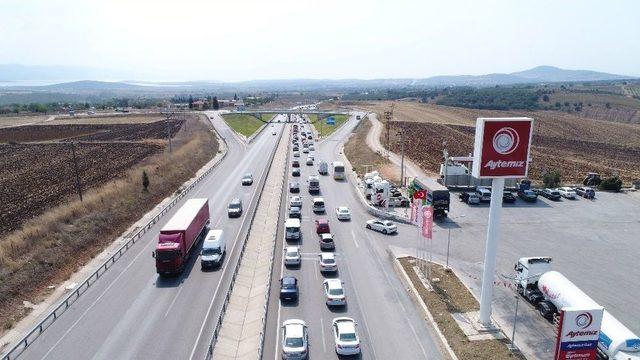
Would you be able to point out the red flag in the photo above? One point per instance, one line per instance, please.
(427, 221)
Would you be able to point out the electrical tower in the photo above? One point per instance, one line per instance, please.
(388, 116)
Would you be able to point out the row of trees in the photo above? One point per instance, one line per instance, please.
(552, 179)
(496, 98)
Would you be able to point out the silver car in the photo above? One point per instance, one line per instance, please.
(295, 340)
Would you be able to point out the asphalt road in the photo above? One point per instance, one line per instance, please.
(389, 325)
(131, 312)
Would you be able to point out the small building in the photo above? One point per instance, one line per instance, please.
(199, 104)
(239, 105)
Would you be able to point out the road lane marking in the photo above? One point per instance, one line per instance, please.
(324, 342)
(96, 301)
(215, 293)
(353, 235)
(173, 301)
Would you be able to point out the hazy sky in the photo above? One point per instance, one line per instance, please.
(241, 39)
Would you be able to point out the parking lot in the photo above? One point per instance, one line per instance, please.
(594, 243)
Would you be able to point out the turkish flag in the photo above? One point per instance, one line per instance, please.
(419, 194)
(427, 221)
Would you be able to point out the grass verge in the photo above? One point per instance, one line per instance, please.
(449, 295)
(243, 124)
(51, 247)
(362, 158)
(325, 130)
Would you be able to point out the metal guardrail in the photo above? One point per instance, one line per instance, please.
(216, 329)
(39, 328)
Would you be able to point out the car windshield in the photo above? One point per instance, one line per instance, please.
(328, 261)
(211, 251)
(335, 292)
(347, 337)
(234, 206)
(247, 176)
(288, 285)
(293, 342)
(529, 192)
(343, 211)
(387, 223)
(292, 253)
(293, 229)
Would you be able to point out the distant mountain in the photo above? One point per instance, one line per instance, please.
(554, 74)
(15, 72)
(540, 74)
(90, 85)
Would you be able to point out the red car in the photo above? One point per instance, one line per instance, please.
(322, 226)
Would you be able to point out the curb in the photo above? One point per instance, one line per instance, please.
(417, 299)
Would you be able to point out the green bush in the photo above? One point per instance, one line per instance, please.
(611, 184)
(551, 179)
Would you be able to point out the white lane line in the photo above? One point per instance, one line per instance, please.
(324, 342)
(353, 236)
(96, 300)
(173, 301)
(215, 293)
(398, 301)
(315, 273)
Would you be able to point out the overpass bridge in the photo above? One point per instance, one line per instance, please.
(259, 113)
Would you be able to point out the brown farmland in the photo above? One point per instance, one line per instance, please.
(565, 142)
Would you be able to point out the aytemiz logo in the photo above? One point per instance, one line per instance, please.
(502, 147)
(584, 320)
(505, 141)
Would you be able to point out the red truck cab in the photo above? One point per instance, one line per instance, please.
(179, 235)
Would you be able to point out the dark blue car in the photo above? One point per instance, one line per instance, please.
(288, 288)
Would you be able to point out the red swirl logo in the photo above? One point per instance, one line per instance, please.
(506, 141)
(584, 320)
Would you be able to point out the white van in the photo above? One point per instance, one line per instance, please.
(292, 229)
(323, 168)
(318, 205)
(213, 249)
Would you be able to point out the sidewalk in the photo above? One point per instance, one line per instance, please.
(240, 334)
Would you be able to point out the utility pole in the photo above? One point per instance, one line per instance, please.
(75, 168)
(388, 115)
(402, 137)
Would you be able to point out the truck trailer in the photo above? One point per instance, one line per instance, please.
(179, 235)
(437, 195)
(550, 291)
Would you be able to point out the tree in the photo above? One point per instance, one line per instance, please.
(235, 96)
(612, 184)
(216, 105)
(545, 98)
(145, 181)
(190, 102)
(558, 105)
(608, 106)
(551, 179)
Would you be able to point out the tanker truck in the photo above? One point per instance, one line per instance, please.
(179, 235)
(550, 291)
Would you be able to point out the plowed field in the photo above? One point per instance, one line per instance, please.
(571, 144)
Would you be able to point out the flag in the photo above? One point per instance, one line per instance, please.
(427, 221)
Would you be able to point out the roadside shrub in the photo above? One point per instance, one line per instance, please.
(611, 184)
(551, 179)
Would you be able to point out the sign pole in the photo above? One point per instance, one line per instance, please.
(491, 247)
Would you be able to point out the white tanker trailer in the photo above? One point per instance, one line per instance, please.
(550, 291)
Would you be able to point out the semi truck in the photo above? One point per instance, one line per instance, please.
(179, 235)
(437, 195)
(550, 291)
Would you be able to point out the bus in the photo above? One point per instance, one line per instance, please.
(338, 170)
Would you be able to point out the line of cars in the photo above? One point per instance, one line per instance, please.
(528, 195)
(295, 336)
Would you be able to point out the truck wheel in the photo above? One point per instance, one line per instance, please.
(368, 226)
(546, 309)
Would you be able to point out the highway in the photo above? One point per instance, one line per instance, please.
(389, 325)
(131, 312)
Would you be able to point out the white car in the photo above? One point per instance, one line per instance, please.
(292, 255)
(328, 262)
(247, 179)
(343, 213)
(334, 292)
(295, 339)
(295, 201)
(383, 226)
(567, 192)
(296, 154)
(273, 133)
(309, 161)
(305, 150)
(346, 336)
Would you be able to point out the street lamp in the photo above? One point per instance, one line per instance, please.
(512, 346)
